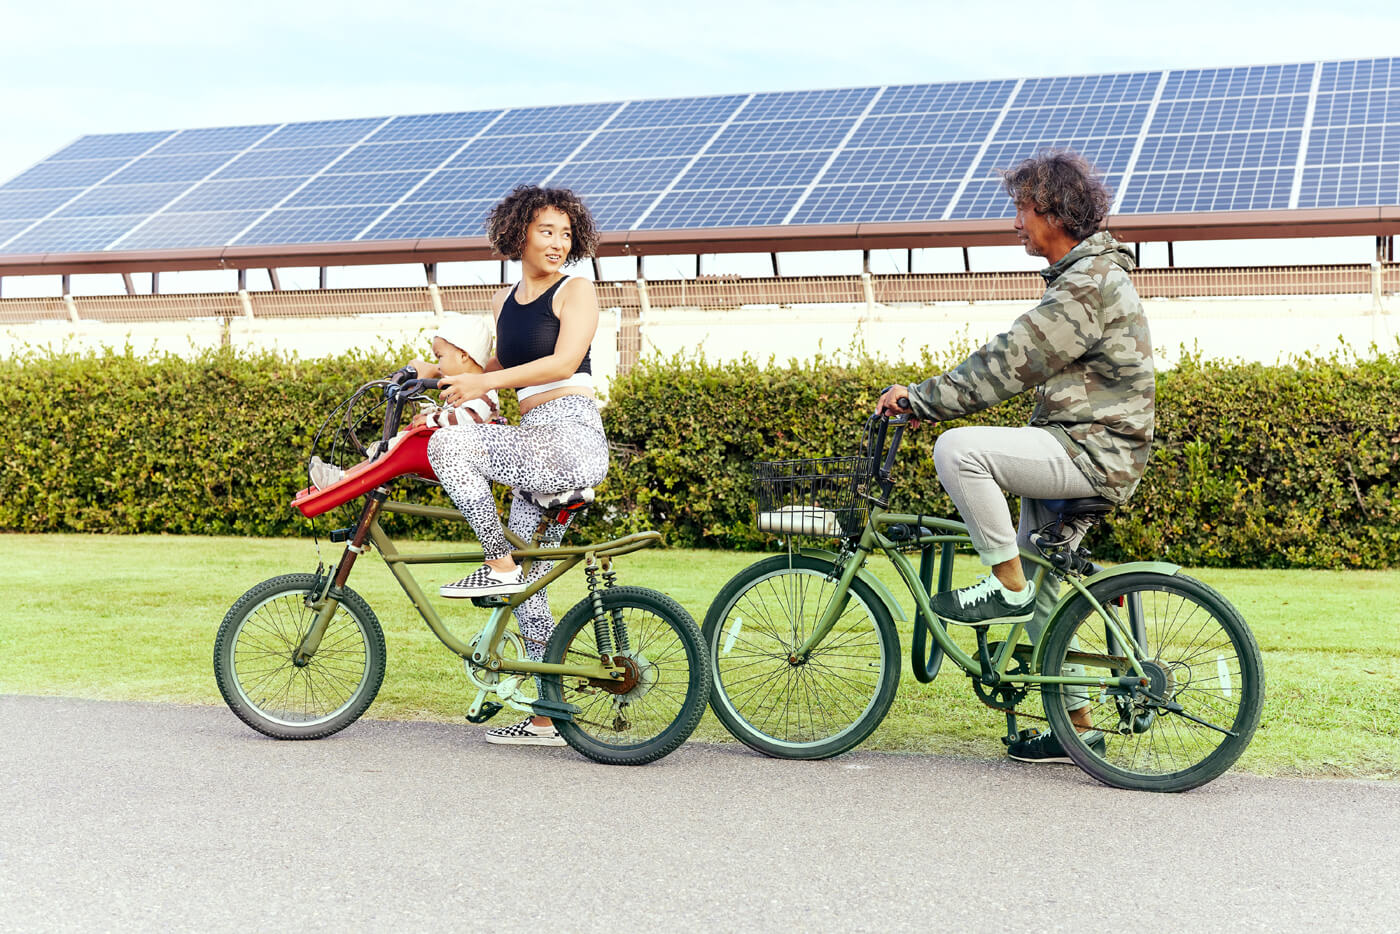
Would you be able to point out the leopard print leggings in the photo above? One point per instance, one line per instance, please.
(558, 445)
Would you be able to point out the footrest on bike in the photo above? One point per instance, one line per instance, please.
(488, 710)
(1020, 735)
(555, 711)
(494, 600)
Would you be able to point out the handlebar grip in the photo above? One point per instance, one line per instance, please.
(410, 388)
(403, 374)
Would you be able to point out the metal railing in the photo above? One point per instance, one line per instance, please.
(717, 293)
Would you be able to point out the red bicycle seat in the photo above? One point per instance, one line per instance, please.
(406, 455)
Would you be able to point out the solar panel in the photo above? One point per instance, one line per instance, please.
(1353, 154)
(310, 225)
(434, 126)
(617, 176)
(209, 228)
(478, 184)
(432, 219)
(1217, 139)
(721, 207)
(236, 194)
(397, 157)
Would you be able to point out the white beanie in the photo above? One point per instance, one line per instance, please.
(468, 333)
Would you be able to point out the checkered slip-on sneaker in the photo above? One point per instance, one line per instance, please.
(525, 733)
(485, 582)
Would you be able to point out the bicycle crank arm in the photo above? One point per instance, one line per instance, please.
(555, 710)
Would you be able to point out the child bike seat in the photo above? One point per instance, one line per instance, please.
(406, 455)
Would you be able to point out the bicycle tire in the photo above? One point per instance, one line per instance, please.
(1209, 662)
(672, 684)
(786, 595)
(266, 690)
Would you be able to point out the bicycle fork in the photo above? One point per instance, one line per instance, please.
(327, 601)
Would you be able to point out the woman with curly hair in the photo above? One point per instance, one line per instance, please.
(544, 328)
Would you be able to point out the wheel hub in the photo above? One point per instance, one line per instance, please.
(1160, 682)
(639, 675)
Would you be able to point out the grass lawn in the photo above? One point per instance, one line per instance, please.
(134, 618)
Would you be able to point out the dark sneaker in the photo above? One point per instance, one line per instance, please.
(983, 603)
(485, 581)
(1044, 747)
(525, 733)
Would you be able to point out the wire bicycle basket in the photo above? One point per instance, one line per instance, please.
(819, 497)
(826, 497)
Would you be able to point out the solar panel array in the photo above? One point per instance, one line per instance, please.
(1305, 135)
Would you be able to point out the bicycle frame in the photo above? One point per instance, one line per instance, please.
(992, 668)
(485, 649)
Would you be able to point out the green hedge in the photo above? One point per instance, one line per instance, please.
(1254, 466)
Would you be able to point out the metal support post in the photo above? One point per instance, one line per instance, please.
(865, 261)
(1171, 255)
(155, 283)
(697, 265)
(67, 283)
(435, 297)
(130, 286)
(272, 277)
(430, 271)
(967, 261)
(503, 272)
(776, 273)
(867, 284)
(909, 263)
(243, 280)
(321, 279)
(597, 271)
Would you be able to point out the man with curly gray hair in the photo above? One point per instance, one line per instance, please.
(1086, 350)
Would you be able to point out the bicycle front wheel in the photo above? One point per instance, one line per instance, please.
(664, 696)
(260, 682)
(1196, 652)
(793, 708)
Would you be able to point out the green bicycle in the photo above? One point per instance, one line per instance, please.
(806, 656)
(301, 656)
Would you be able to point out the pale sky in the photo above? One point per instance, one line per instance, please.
(72, 68)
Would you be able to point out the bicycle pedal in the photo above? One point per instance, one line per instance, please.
(1021, 736)
(494, 600)
(488, 710)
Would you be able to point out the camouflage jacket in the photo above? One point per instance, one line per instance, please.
(1086, 346)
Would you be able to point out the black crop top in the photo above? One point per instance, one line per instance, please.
(529, 332)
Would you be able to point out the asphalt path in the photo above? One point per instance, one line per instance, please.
(140, 817)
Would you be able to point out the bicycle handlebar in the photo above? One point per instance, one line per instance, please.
(404, 386)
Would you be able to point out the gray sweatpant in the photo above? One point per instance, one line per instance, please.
(976, 463)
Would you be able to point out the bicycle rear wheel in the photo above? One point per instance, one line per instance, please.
(1196, 651)
(810, 709)
(666, 691)
(261, 683)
